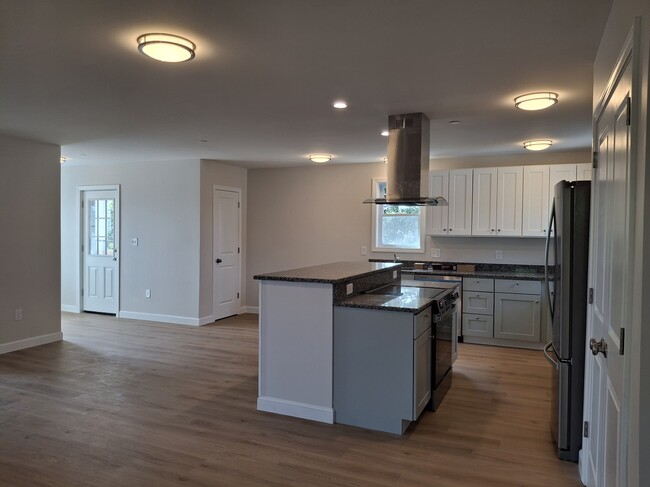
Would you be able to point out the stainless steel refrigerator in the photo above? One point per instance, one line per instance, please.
(567, 246)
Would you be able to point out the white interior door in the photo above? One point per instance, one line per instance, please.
(100, 289)
(604, 449)
(226, 253)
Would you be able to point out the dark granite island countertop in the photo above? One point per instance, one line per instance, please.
(409, 300)
(333, 273)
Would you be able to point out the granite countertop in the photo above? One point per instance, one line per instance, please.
(410, 300)
(329, 273)
(504, 274)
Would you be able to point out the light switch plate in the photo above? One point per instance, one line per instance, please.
(364, 250)
(499, 255)
(134, 242)
(349, 289)
(147, 293)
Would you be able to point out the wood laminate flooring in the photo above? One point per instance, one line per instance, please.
(132, 403)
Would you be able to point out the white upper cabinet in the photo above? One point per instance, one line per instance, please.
(557, 173)
(460, 202)
(456, 187)
(536, 201)
(484, 202)
(584, 172)
(510, 182)
(438, 216)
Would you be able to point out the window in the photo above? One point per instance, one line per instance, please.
(101, 227)
(396, 227)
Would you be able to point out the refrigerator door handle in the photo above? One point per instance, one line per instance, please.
(551, 299)
(549, 359)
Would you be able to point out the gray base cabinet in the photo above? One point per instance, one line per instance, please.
(517, 317)
(382, 367)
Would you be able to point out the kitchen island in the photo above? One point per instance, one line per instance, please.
(297, 333)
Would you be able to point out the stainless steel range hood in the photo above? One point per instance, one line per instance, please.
(407, 177)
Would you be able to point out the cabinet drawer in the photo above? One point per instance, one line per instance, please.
(517, 287)
(478, 325)
(421, 322)
(478, 303)
(477, 284)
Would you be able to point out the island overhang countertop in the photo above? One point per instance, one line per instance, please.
(333, 273)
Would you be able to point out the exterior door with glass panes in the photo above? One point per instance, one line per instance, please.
(100, 261)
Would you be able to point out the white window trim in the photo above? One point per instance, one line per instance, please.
(375, 226)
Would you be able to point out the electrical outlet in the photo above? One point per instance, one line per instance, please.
(147, 293)
(394, 274)
(499, 255)
(349, 289)
(134, 242)
(435, 252)
(18, 314)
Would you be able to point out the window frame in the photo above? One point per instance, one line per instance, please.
(377, 213)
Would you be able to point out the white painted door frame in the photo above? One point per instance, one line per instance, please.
(628, 56)
(237, 191)
(81, 237)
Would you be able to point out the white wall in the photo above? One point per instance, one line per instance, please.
(617, 28)
(214, 172)
(29, 246)
(160, 205)
(313, 215)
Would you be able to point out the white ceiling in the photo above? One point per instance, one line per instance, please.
(266, 73)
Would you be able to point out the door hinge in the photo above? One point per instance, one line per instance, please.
(594, 160)
(628, 108)
(82, 291)
(237, 295)
(237, 249)
(82, 203)
(585, 429)
(591, 295)
(82, 248)
(238, 204)
(621, 348)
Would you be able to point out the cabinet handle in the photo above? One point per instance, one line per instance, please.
(536, 302)
(492, 230)
(516, 283)
(545, 230)
(499, 230)
(450, 229)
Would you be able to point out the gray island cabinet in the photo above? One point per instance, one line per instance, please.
(296, 330)
(382, 367)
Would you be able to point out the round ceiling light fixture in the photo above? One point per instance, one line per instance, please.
(538, 144)
(168, 48)
(320, 158)
(536, 101)
(340, 104)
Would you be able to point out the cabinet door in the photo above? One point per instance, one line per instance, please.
(438, 216)
(421, 372)
(460, 202)
(484, 202)
(479, 303)
(584, 172)
(509, 200)
(557, 173)
(478, 325)
(535, 204)
(517, 316)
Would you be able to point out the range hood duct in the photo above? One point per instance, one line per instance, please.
(407, 176)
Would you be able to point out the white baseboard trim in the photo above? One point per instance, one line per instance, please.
(206, 320)
(30, 342)
(176, 320)
(251, 309)
(70, 308)
(295, 409)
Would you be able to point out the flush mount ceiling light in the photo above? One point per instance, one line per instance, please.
(538, 144)
(167, 48)
(340, 104)
(320, 158)
(536, 101)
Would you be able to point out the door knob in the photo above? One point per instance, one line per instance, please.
(218, 261)
(598, 346)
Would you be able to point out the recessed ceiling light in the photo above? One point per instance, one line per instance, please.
(63, 159)
(168, 48)
(320, 157)
(536, 101)
(538, 144)
(385, 133)
(340, 104)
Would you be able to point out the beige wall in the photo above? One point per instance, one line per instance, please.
(216, 173)
(618, 26)
(313, 215)
(159, 207)
(29, 246)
